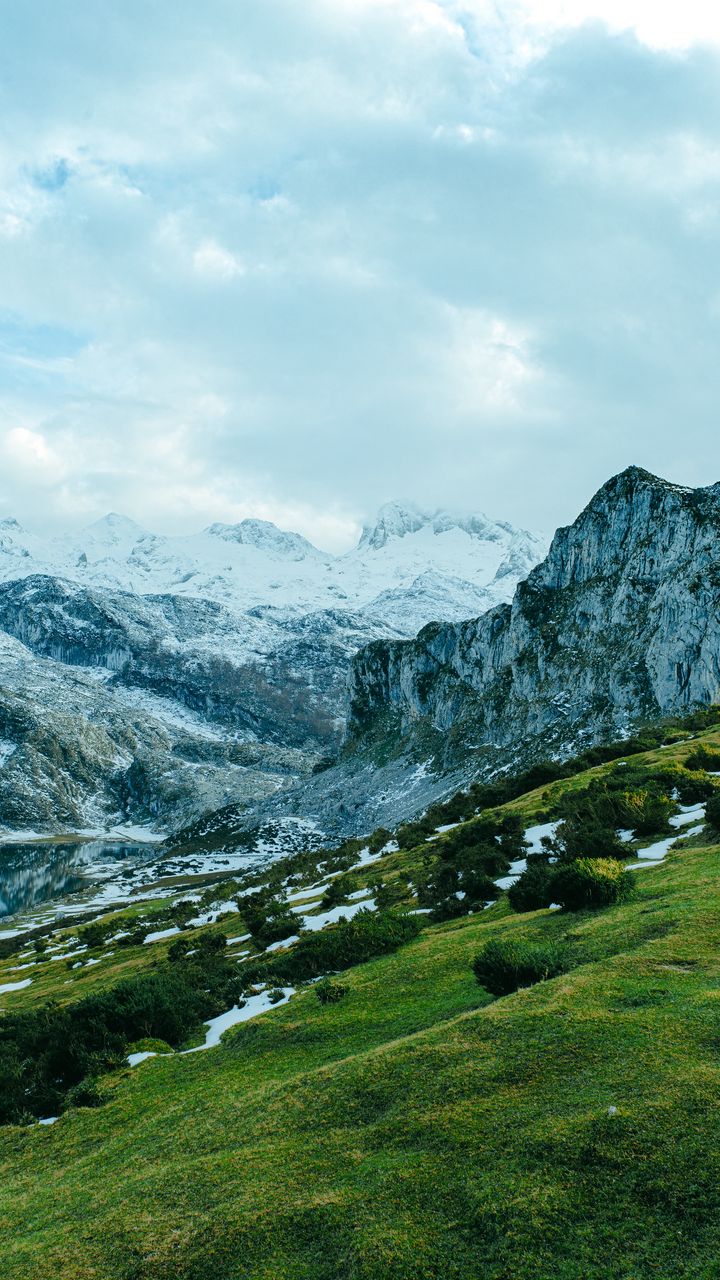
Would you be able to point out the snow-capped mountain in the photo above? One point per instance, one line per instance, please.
(143, 677)
(254, 564)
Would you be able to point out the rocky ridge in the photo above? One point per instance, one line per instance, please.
(619, 624)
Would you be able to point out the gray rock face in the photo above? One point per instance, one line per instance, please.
(619, 624)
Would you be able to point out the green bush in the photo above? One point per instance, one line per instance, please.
(347, 943)
(712, 811)
(591, 883)
(704, 758)
(534, 888)
(588, 838)
(85, 1094)
(45, 1052)
(645, 811)
(268, 917)
(329, 992)
(504, 965)
(339, 890)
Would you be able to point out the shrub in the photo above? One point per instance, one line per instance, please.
(47, 1051)
(646, 811)
(329, 992)
(379, 839)
(534, 888)
(388, 893)
(591, 839)
(339, 890)
(85, 1094)
(268, 918)
(712, 811)
(704, 758)
(591, 883)
(347, 943)
(505, 965)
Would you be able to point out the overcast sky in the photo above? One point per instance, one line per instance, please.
(292, 258)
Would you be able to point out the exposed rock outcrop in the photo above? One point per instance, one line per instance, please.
(619, 624)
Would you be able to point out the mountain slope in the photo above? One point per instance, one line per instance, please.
(411, 1129)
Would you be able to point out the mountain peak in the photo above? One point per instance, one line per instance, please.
(633, 480)
(265, 536)
(394, 520)
(398, 519)
(114, 527)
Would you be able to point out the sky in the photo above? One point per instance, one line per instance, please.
(292, 260)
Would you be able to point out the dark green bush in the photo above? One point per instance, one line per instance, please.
(459, 870)
(591, 883)
(45, 1052)
(347, 943)
(534, 888)
(379, 839)
(329, 992)
(505, 965)
(704, 758)
(339, 890)
(645, 811)
(85, 1094)
(578, 838)
(712, 811)
(269, 918)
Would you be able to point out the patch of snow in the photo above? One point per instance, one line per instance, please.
(135, 1058)
(15, 986)
(365, 859)
(284, 942)
(138, 835)
(313, 923)
(161, 933)
(49, 1120)
(254, 1005)
(655, 853)
(316, 892)
(688, 813)
(535, 835)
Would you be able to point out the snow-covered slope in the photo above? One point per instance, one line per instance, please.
(135, 666)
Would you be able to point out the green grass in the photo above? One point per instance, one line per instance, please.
(415, 1129)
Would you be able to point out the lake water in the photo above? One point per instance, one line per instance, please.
(33, 874)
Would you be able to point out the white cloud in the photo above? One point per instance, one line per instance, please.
(210, 259)
(302, 258)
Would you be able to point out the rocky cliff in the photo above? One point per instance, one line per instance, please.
(618, 625)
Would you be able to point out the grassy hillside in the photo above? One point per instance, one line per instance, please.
(416, 1129)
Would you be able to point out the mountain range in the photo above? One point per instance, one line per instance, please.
(148, 679)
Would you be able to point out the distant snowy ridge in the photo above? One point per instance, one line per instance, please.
(254, 564)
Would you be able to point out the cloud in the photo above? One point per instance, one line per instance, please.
(299, 259)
